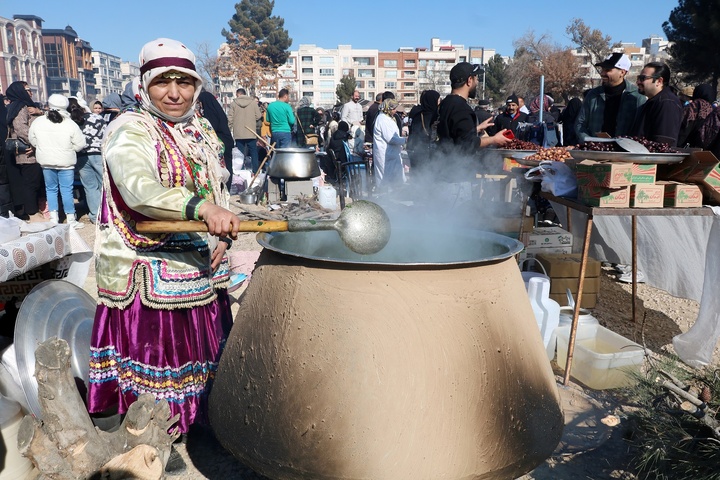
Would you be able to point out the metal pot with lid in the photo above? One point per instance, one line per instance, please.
(293, 163)
(414, 362)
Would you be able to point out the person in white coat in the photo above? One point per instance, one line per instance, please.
(57, 139)
(387, 146)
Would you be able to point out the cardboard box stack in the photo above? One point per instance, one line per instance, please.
(546, 240)
(701, 168)
(619, 185)
(564, 272)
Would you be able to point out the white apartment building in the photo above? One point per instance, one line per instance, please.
(315, 72)
(129, 70)
(108, 74)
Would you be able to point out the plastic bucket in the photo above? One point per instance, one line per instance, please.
(584, 318)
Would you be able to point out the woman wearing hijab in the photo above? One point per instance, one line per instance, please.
(340, 148)
(26, 176)
(211, 109)
(308, 120)
(387, 146)
(163, 310)
(422, 131)
(699, 127)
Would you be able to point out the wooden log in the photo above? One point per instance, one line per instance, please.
(65, 443)
(141, 463)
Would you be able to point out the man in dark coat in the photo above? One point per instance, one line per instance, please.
(511, 117)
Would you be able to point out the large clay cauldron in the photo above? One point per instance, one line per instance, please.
(423, 361)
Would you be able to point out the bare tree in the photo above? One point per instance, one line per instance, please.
(243, 60)
(208, 66)
(592, 41)
(540, 56)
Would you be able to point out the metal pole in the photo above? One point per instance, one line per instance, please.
(542, 98)
(482, 59)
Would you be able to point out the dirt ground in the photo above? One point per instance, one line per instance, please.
(593, 446)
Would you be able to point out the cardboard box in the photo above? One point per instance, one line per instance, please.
(604, 174)
(293, 190)
(647, 196)
(681, 195)
(567, 265)
(604, 197)
(533, 252)
(548, 237)
(701, 168)
(644, 173)
(589, 300)
(561, 284)
(510, 163)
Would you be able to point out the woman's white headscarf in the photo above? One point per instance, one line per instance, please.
(161, 56)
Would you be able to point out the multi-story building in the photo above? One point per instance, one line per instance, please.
(21, 54)
(129, 70)
(69, 63)
(108, 74)
(398, 73)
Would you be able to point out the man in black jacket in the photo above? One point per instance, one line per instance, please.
(661, 115)
(511, 117)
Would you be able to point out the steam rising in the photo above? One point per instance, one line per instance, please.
(441, 215)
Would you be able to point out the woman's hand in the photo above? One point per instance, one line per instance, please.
(220, 222)
(217, 255)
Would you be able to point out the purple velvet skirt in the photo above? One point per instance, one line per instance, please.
(172, 354)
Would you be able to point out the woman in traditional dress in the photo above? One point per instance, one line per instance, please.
(164, 313)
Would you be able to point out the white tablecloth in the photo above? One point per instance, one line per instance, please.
(678, 254)
(60, 248)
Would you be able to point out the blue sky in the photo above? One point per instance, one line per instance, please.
(121, 28)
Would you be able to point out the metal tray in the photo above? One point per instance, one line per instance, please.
(627, 157)
(514, 153)
(54, 308)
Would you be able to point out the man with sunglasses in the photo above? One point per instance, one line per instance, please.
(661, 116)
(613, 106)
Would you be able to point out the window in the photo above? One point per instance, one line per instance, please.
(390, 85)
(327, 61)
(291, 61)
(362, 61)
(307, 83)
(327, 84)
(409, 64)
(390, 73)
(409, 73)
(408, 96)
(359, 84)
(307, 94)
(327, 72)
(389, 63)
(346, 71)
(365, 72)
(325, 96)
(306, 59)
(408, 84)
(307, 71)
(423, 63)
(371, 84)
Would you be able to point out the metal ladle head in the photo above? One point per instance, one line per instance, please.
(363, 226)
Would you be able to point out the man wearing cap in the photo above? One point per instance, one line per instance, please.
(483, 111)
(457, 124)
(511, 117)
(661, 116)
(614, 105)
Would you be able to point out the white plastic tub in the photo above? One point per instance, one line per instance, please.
(602, 359)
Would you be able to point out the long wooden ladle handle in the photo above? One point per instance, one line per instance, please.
(189, 226)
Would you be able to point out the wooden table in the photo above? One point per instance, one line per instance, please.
(590, 212)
